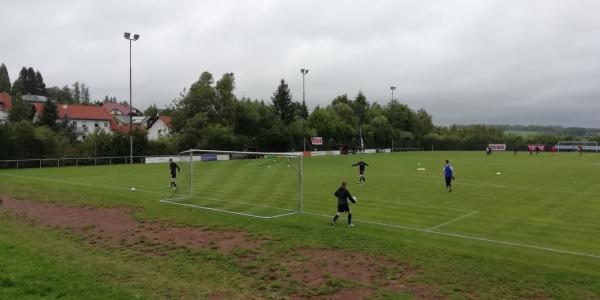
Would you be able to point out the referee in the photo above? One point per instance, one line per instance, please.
(343, 195)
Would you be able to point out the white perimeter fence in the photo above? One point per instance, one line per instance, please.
(117, 160)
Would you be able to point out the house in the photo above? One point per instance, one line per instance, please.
(158, 126)
(118, 109)
(85, 118)
(5, 106)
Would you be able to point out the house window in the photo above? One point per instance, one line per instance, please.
(160, 132)
(105, 124)
(96, 125)
(85, 129)
(74, 123)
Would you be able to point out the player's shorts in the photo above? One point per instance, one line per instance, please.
(173, 175)
(448, 181)
(343, 207)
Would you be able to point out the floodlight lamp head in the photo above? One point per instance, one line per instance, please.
(392, 88)
(304, 71)
(126, 35)
(136, 37)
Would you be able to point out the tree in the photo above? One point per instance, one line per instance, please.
(4, 79)
(85, 94)
(29, 82)
(20, 110)
(39, 87)
(282, 102)
(361, 107)
(49, 115)
(76, 92)
(151, 111)
(225, 104)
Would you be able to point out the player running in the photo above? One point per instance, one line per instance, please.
(174, 170)
(343, 195)
(361, 170)
(448, 173)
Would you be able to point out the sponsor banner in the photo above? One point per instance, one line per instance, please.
(533, 147)
(316, 140)
(498, 147)
(321, 153)
(370, 151)
(161, 159)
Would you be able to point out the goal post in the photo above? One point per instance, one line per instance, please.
(256, 184)
(573, 146)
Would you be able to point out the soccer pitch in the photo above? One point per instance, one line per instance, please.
(512, 227)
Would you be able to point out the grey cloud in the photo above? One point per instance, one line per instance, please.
(463, 61)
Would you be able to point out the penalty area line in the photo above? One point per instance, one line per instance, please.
(229, 212)
(467, 237)
(453, 220)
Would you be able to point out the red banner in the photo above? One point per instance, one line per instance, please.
(316, 140)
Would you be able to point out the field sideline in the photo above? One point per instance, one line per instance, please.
(528, 232)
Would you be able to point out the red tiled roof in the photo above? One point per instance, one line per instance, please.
(166, 120)
(110, 106)
(6, 101)
(79, 112)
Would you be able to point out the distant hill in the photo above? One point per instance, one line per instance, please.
(525, 130)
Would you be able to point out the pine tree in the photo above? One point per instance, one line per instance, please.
(49, 114)
(4, 79)
(18, 87)
(30, 84)
(85, 94)
(282, 101)
(39, 87)
(76, 92)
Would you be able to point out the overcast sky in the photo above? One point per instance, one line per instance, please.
(477, 61)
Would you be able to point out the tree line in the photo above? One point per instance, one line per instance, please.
(209, 115)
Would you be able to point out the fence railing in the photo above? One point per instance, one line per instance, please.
(71, 162)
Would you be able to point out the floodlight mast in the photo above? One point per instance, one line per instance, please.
(392, 88)
(304, 72)
(136, 37)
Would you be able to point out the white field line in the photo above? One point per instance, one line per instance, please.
(233, 202)
(455, 235)
(80, 183)
(453, 220)
(229, 212)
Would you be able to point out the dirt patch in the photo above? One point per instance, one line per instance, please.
(116, 228)
(300, 274)
(336, 274)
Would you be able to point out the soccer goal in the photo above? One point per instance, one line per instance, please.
(256, 184)
(573, 146)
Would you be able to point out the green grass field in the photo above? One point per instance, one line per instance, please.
(530, 232)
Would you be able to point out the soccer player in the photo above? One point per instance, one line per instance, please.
(448, 173)
(174, 170)
(361, 170)
(343, 195)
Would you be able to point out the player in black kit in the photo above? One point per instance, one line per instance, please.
(174, 170)
(361, 170)
(343, 195)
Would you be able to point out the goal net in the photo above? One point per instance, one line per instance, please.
(573, 146)
(256, 184)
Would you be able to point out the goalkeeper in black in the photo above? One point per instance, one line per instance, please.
(361, 170)
(343, 195)
(174, 170)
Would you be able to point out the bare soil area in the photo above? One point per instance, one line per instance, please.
(312, 273)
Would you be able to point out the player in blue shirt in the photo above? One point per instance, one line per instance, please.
(448, 173)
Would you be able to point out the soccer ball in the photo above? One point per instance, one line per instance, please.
(132, 189)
